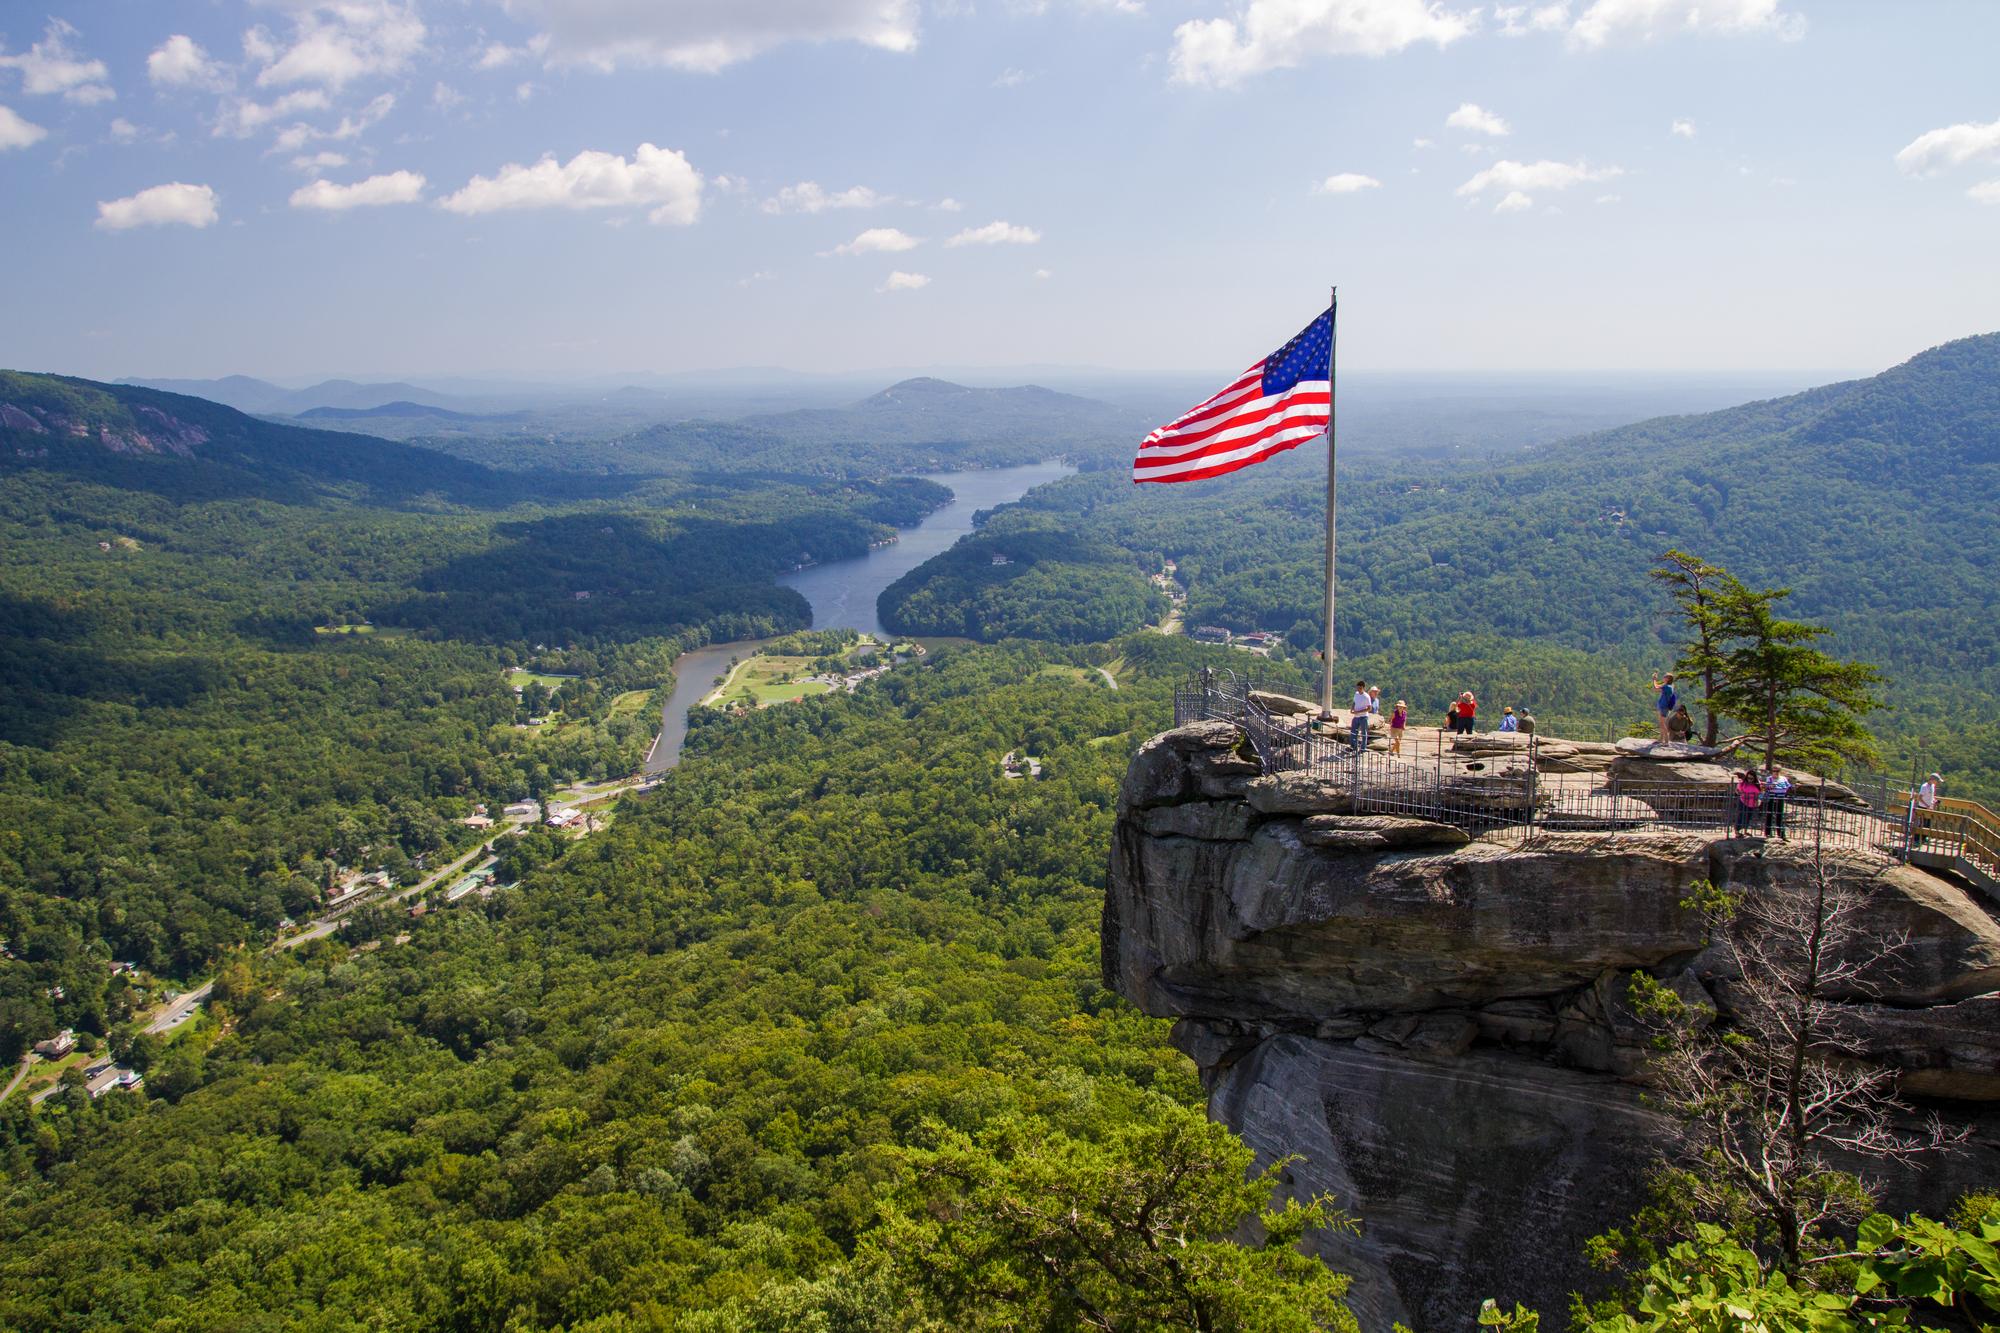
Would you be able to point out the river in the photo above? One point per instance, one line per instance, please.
(843, 593)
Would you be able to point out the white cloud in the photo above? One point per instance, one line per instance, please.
(1515, 180)
(657, 177)
(1610, 198)
(1042, 275)
(1607, 21)
(525, 91)
(808, 197)
(396, 187)
(883, 240)
(949, 205)
(996, 233)
(163, 205)
(900, 281)
(710, 36)
(333, 45)
(1682, 128)
(1986, 192)
(16, 132)
(1347, 182)
(241, 117)
(445, 97)
(1278, 34)
(350, 127)
(1425, 143)
(1952, 146)
(1011, 78)
(179, 62)
(50, 66)
(319, 161)
(498, 55)
(1476, 119)
(761, 275)
(1521, 20)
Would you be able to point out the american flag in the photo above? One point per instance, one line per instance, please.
(1283, 399)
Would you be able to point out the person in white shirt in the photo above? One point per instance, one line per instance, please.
(1364, 709)
(1921, 806)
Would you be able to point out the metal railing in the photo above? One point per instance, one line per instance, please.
(1505, 789)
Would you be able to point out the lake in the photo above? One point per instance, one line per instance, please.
(843, 593)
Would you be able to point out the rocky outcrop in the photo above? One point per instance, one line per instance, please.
(1439, 1027)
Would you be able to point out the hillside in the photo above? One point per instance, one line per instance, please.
(144, 439)
(1841, 492)
(236, 655)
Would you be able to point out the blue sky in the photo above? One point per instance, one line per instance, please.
(571, 187)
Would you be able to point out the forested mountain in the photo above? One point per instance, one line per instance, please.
(232, 652)
(1874, 499)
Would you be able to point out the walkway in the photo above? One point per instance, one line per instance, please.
(1495, 780)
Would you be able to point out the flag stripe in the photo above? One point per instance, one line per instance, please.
(1257, 456)
(1232, 447)
(1305, 397)
(1249, 385)
(1292, 431)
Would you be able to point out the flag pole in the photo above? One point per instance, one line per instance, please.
(1326, 674)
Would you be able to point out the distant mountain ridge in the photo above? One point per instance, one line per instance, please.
(405, 409)
(247, 394)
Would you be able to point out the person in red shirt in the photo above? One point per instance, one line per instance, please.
(1468, 709)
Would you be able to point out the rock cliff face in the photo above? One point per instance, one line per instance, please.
(1436, 1026)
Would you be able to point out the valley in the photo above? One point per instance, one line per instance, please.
(696, 1057)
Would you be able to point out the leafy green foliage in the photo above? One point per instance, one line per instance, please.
(1026, 1226)
(672, 1077)
(181, 751)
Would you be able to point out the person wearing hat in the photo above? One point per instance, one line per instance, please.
(1468, 709)
(1397, 721)
(1508, 722)
(1923, 807)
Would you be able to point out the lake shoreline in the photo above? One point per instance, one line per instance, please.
(843, 593)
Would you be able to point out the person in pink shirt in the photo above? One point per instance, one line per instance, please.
(1397, 721)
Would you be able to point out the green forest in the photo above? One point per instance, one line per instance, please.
(183, 749)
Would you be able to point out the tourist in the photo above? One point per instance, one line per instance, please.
(1527, 723)
(1680, 726)
(1468, 710)
(1923, 807)
(1508, 722)
(1397, 721)
(1364, 708)
(1667, 701)
(1748, 793)
(1777, 789)
(1451, 717)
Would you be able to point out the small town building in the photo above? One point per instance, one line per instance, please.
(56, 1047)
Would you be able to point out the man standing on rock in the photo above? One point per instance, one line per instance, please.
(1364, 708)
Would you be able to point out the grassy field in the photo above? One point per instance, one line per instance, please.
(632, 701)
(765, 679)
(519, 677)
(379, 631)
